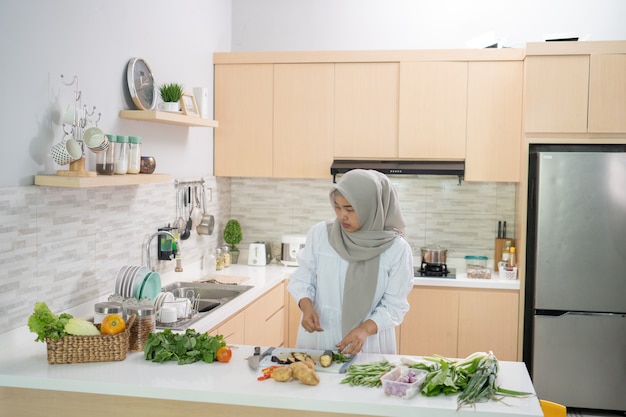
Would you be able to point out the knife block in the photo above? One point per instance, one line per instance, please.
(499, 246)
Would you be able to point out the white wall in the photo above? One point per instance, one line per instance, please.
(416, 24)
(41, 39)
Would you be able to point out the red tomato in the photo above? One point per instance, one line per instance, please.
(224, 354)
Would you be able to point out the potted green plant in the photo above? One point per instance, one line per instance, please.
(171, 94)
(232, 236)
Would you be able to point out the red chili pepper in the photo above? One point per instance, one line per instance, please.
(267, 372)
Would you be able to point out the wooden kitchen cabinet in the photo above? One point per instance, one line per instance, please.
(261, 323)
(232, 329)
(244, 107)
(456, 322)
(494, 121)
(556, 93)
(433, 110)
(607, 93)
(303, 120)
(488, 321)
(431, 325)
(366, 110)
(265, 319)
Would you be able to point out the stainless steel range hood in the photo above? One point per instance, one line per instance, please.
(453, 168)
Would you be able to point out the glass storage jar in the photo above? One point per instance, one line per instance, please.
(134, 154)
(101, 310)
(105, 160)
(145, 323)
(219, 259)
(121, 155)
(227, 256)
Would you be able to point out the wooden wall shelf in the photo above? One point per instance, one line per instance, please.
(167, 118)
(99, 180)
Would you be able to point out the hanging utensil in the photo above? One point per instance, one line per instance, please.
(207, 222)
(187, 232)
(180, 223)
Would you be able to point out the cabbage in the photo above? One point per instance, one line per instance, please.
(81, 327)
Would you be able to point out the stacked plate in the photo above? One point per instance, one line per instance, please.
(150, 286)
(129, 281)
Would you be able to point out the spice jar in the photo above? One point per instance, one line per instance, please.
(145, 323)
(105, 160)
(227, 257)
(101, 310)
(219, 259)
(121, 155)
(134, 154)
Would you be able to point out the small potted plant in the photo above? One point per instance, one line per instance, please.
(171, 94)
(232, 236)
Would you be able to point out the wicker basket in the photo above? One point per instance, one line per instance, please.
(100, 348)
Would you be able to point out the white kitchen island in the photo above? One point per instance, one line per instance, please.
(30, 387)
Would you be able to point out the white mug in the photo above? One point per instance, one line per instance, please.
(183, 307)
(66, 151)
(95, 140)
(167, 314)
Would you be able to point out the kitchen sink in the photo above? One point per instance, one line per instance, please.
(205, 297)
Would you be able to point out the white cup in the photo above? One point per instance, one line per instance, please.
(183, 307)
(66, 151)
(167, 314)
(95, 140)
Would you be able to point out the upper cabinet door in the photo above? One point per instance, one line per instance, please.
(366, 110)
(556, 93)
(607, 93)
(494, 121)
(243, 104)
(303, 120)
(433, 110)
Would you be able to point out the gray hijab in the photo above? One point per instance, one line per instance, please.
(375, 201)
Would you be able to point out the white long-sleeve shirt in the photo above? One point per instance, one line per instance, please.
(321, 276)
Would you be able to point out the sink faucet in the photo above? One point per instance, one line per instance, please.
(160, 232)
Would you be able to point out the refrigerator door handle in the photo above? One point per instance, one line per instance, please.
(560, 313)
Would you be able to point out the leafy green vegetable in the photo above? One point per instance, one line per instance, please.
(188, 347)
(339, 357)
(47, 324)
(81, 327)
(473, 377)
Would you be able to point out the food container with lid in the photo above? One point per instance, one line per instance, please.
(403, 382)
(101, 310)
(476, 267)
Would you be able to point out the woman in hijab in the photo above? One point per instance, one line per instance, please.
(356, 271)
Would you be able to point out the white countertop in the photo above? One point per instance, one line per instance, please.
(234, 383)
(23, 364)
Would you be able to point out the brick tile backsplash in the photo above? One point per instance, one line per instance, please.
(64, 246)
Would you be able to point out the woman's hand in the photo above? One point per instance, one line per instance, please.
(310, 319)
(353, 342)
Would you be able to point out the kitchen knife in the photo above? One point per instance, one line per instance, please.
(253, 361)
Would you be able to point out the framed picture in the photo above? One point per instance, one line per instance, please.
(189, 105)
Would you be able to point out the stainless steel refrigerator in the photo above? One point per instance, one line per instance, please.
(575, 304)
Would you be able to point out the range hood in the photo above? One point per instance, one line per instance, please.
(455, 168)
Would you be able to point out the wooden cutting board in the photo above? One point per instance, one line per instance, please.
(282, 353)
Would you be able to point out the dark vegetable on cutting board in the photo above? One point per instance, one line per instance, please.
(326, 358)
